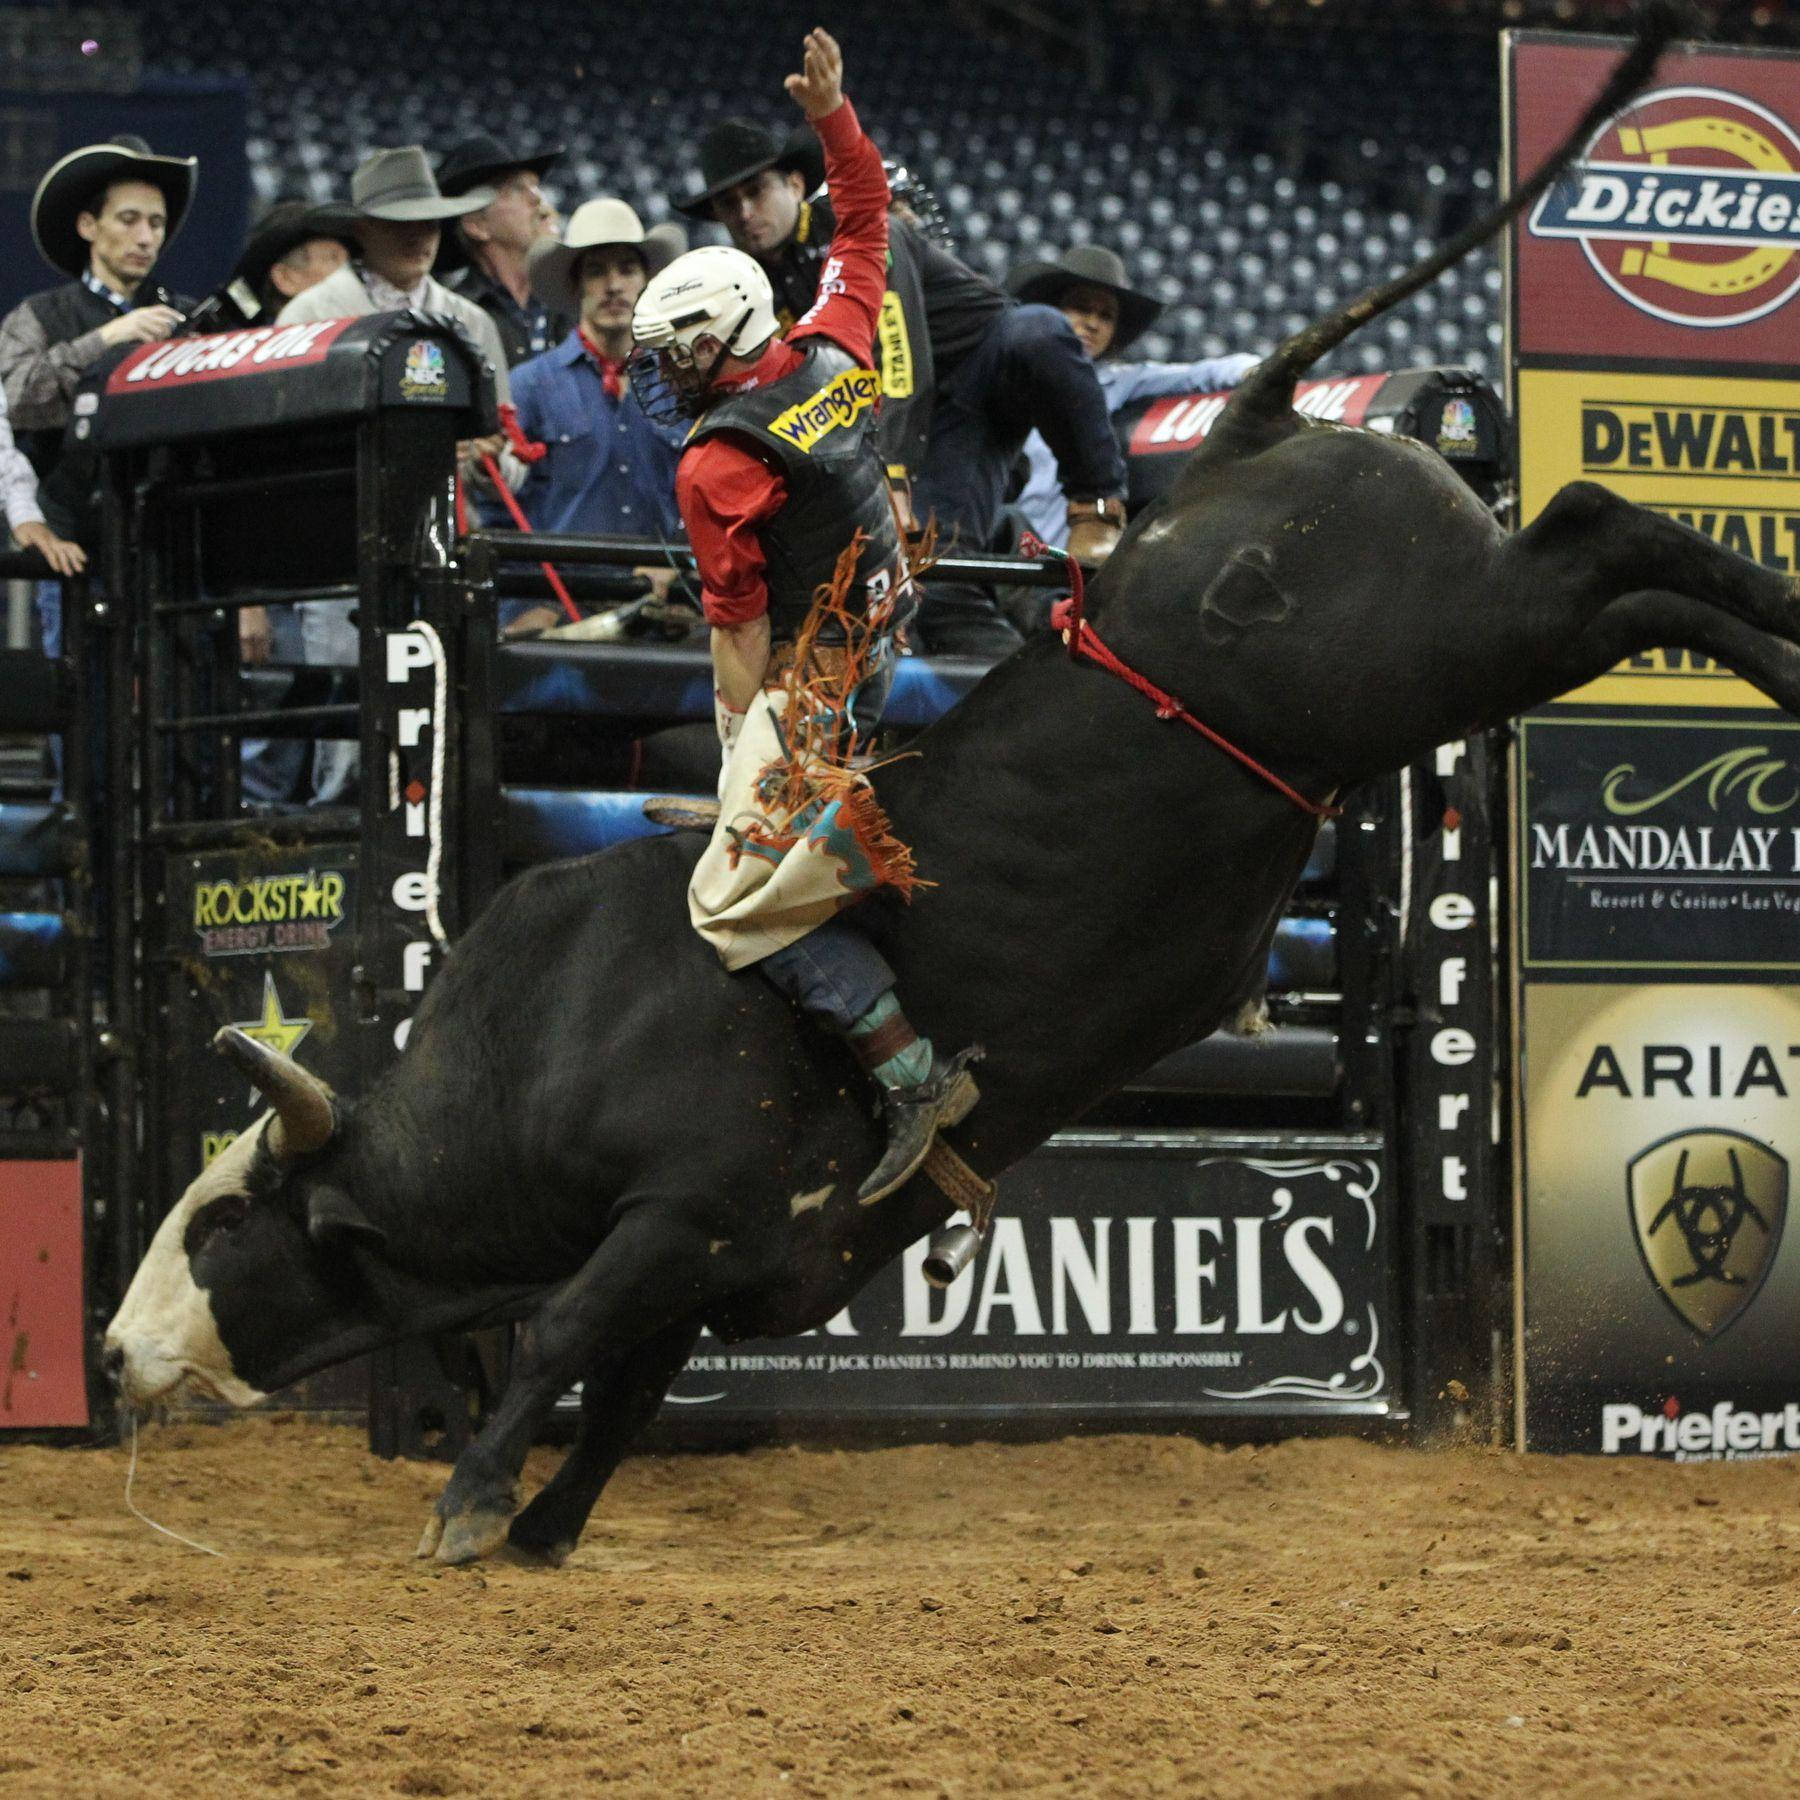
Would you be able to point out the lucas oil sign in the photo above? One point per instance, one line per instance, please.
(1168, 1275)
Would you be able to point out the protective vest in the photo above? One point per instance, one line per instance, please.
(903, 336)
(65, 313)
(817, 426)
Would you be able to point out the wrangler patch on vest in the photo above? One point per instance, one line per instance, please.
(840, 402)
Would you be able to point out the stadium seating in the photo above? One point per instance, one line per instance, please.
(1253, 174)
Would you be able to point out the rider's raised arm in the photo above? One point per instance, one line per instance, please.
(855, 273)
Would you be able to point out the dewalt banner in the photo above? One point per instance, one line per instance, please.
(1719, 453)
(1654, 338)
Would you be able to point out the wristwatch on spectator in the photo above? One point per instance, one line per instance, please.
(1094, 527)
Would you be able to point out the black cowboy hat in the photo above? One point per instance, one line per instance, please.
(482, 161)
(76, 181)
(1087, 265)
(285, 227)
(734, 150)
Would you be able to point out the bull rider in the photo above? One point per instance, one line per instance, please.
(805, 585)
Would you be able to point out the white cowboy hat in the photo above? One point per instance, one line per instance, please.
(595, 225)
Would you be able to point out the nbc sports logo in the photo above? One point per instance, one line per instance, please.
(1687, 204)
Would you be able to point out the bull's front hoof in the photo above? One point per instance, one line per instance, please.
(433, 1536)
(471, 1535)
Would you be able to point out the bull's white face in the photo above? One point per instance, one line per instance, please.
(166, 1329)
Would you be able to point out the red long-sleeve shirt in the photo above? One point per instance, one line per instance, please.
(724, 491)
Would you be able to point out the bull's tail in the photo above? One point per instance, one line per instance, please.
(1268, 391)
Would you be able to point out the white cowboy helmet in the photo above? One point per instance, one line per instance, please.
(712, 292)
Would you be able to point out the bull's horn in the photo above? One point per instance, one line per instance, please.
(305, 1110)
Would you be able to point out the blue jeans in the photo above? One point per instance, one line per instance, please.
(1029, 371)
(834, 973)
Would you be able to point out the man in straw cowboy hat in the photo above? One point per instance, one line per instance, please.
(1087, 285)
(805, 585)
(607, 468)
(397, 215)
(102, 216)
(485, 255)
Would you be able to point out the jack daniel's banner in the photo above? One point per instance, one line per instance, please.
(1657, 857)
(1178, 1275)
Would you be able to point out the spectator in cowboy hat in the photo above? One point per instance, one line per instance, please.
(398, 218)
(1087, 285)
(102, 216)
(483, 256)
(606, 467)
(293, 247)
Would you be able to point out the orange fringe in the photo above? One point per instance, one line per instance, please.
(819, 685)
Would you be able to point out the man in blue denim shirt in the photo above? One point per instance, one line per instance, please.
(606, 468)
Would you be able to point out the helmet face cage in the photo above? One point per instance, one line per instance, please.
(664, 402)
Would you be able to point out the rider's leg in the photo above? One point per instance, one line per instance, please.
(839, 978)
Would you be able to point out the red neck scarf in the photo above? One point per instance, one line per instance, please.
(612, 369)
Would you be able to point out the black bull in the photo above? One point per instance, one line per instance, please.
(598, 1132)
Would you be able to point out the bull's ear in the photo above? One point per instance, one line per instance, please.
(333, 1219)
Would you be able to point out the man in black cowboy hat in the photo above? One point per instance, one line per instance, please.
(966, 375)
(485, 254)
(293, 247)
(102, 215)
(1087, 285)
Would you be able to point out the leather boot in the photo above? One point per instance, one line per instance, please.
(915, 1114)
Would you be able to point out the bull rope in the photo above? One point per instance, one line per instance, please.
(434, 816)
(133, 1507)
(1085, 642)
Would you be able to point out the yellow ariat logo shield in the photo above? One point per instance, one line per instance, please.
(1707, 1210)
(839, 403)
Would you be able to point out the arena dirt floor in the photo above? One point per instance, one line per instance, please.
(1108, 1616)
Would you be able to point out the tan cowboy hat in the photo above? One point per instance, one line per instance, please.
(397, 185)
(1087, 265)
(74, 182)
(596, 225)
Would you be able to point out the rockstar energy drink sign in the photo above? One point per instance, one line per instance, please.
(268, 912)
(1656, 874)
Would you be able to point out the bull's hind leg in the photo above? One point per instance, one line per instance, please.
(1653, 621)
(652, 1272)
(1588, 548)
(619, 1397)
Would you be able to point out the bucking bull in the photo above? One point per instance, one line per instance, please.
(596, 1132)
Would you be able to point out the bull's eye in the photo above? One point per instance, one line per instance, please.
(224, 1214)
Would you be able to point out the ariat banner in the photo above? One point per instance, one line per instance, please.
(1662, 1277)
(1680, 219)
(838, 403)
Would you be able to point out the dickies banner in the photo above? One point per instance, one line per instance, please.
(1656, 861)
(1680, 219)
